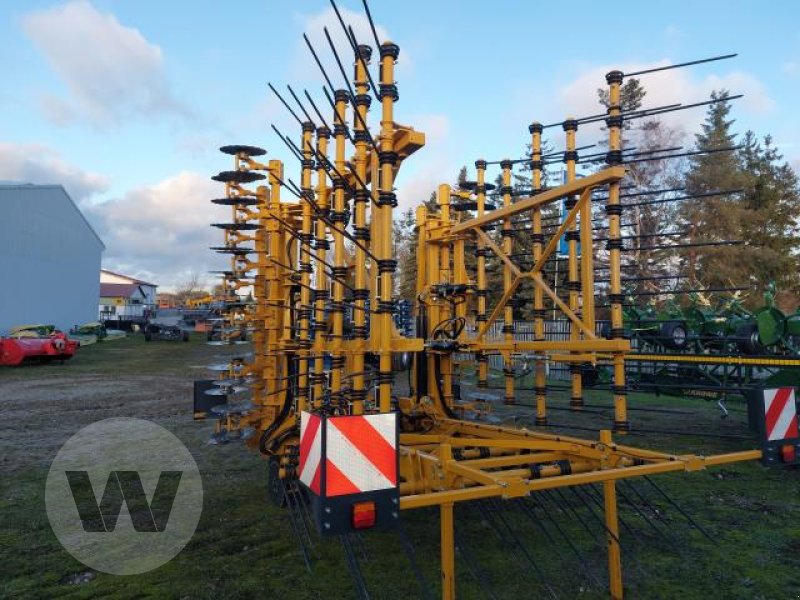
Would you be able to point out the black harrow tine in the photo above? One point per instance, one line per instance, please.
(625, 498)
(359, 583)
(316, 110)
(684, 107)
(358, 543)
(288, 144)
(691, 153)
(524, 504)
(675, 505)
(679, 65)
(411, 555)
(296, 528)
(371, 23)
(498, 510)
(286, 104)
(300, 104)
(305, 517)
(565, 502)
(350, 89)
(599, 518)
(647, 504)
(318, 61)
(581, 559)
(591, 492)
(472, 565)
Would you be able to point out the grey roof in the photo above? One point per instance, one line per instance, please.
(6, 186)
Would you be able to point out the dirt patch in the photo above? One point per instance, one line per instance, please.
(39, 415)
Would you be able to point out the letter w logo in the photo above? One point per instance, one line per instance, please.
(124, 486)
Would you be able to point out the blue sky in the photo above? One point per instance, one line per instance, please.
(125, 102)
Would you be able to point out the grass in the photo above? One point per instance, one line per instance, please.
(244, 547)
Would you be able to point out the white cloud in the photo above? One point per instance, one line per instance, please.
(791, 68)
(36, 163)
(579, 96)
(419, 176)
(110, 71)
(161, 232)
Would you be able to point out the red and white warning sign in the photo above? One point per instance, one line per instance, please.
(780, 410)
(310, 450)
(358, 453)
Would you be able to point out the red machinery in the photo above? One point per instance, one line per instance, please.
(56, 346)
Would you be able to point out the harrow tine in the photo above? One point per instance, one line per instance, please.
(677, 507)
(581, 558)
(524, 505)
(473, 567)
(358, 544)
(408, 548)
(351, 559)
(498, 510)
(644, 515)
(599, 519)
(597, 499)
(296, 528)
(305, 516)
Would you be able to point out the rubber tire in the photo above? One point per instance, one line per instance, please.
(147, 337)
(274, 485)
(747, 339)
(674, 335)
(185, 337)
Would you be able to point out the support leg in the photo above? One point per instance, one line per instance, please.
(612, 531)
(448, 553)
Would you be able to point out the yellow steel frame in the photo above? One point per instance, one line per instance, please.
(446, 460)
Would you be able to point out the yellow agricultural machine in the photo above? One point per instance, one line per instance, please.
(319, 396)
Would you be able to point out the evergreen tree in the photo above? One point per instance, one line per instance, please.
(406, 252)
(714, 218)
(770, 205)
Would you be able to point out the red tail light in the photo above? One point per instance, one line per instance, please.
(788, 453)
(363, 515)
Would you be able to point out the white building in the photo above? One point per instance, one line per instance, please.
(124, 297)
(49, 259)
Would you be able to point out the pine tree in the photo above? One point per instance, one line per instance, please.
(770, 206)
(406, 252)
(714, 218)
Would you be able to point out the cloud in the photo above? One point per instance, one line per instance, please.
(579, 96)
(162, 232)
(418, 178)
(110, 71)
(791, 68)
(36, 163)
(304, 68)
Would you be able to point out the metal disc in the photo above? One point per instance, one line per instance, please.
(234, 149)
(238, 177)
(236, 226)
(236, 201)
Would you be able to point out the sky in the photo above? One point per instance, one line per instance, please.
(126, 102)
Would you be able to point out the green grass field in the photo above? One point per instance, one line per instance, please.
(245, 548)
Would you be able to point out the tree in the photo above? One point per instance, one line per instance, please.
(631, 95)
(190, 287)
(714, 218)
(406, 253)
(651, 217)
(770, 205)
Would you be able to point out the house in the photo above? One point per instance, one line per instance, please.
(167, 300)
(124, 297)
(50, 258)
